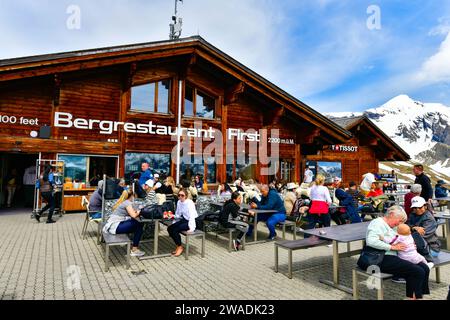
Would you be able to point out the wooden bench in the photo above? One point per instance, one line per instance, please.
(291, 224)
(292, 245)
(116, 240)
(217, 228)
(195, 234)
(441, 260)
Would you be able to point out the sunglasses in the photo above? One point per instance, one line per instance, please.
(181, 196)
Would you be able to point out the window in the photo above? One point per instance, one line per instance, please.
(159, 163)
(287, 170)
(151, 97)
(197, 166)
(241, 169)
(76, 168)
(329, 170)
(198, 104)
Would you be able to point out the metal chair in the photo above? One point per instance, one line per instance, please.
(87, 219)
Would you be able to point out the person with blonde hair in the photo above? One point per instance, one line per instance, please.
(320, 202)
(124, 220)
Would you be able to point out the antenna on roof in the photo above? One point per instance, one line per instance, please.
(175, 27)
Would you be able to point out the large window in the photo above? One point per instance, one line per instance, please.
(151, 97)
(197, 166)
(241, 168)
(198, 103)
(159, 163)
(328, 169)
(88, 169)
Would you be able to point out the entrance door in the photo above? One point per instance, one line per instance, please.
(13, 192)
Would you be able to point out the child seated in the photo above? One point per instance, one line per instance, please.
(410, 253)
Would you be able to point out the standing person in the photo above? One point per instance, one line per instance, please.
(11, 186)
(45, 185)
(146, 174)
(229, 218)
(415, 275)
(424, 181)
(124, 220)
(184, 220)
(270, 200)
(308, 176)
(320, 203)
(29, 180)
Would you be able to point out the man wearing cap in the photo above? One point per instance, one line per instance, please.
(422, 221)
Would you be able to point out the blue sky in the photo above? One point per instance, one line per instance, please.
(322, 52)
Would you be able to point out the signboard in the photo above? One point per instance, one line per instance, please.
(343, 148)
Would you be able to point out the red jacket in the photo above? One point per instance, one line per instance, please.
(375, 193)
(408, 198)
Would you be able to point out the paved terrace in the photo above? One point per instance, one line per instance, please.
(34, 261)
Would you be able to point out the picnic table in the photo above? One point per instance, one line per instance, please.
(155, 240)
(249, 213)
(346, 233)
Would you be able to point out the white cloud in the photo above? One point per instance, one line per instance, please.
(437, 67)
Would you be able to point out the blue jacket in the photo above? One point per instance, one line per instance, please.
(271, 202)
(51, 179)
(146, 175)
(440, 192)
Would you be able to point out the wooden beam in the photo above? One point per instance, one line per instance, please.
(233, 93)
(56, 89)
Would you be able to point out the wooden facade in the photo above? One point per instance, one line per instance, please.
(98, 84)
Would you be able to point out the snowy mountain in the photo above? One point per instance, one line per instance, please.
(421, 129)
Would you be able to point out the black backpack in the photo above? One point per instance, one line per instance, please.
(110, 188)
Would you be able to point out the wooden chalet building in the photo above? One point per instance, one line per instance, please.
(105, 110)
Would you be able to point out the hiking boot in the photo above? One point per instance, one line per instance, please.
(37, 216)
(50, 221)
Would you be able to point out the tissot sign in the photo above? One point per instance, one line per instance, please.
(343, 148)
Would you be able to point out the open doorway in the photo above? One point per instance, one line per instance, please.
(17, 179)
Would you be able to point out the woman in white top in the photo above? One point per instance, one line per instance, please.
(184, 220)
(320, 202)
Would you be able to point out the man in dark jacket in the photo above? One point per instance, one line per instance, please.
(270, 200)
(424, 181)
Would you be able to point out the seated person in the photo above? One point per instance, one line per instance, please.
(346, 200)
(185, 215)
(410, 253)
(149, 188)
(424, 223)
(124, 220)
(376, 190)
(95, 202)
(239, 184)
(224, 190)
(229, 218)
(270, 200)
(289, 198)
(198, 183)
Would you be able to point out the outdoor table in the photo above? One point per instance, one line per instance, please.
(346, 233)
(446, 217)
(444, 199)
(245, 213)
(155, 240)
(255, 220)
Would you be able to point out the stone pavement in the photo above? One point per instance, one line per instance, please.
(40, 261)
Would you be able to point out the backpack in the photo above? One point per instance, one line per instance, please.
(300, 219)
(110, 188)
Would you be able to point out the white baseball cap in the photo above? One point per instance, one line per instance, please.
(156, 175)
(149, 183)
(290, 186)
(417, 202)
